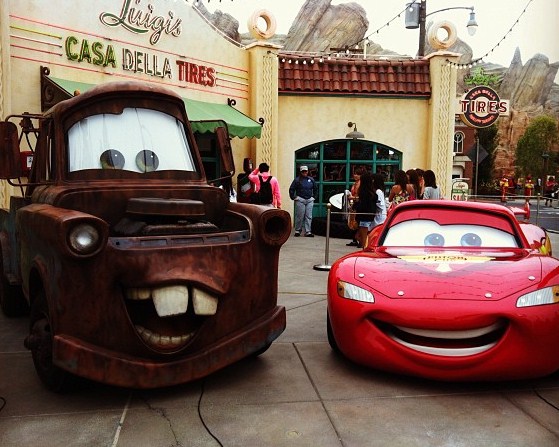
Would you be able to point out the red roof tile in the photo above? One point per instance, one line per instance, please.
(363, 77)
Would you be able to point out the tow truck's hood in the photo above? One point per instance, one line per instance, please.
(451, 275)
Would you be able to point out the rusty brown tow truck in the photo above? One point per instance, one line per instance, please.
(135, 271)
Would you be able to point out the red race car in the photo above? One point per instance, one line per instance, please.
(449, 290)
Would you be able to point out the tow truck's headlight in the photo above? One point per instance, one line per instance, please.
(549, 295)
(84, 239)
(353, 292)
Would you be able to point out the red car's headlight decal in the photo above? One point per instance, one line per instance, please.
(549, 295)
(353, 292)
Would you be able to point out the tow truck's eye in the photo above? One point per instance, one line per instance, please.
(112, 159)
(434, 240)
(147, 161)
(470, 240)
(84, 239)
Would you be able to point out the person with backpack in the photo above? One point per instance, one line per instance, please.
(303, 190)
(266, 187)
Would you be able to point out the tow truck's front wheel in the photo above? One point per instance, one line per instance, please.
(40, 342)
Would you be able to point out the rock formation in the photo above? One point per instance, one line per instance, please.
(320, 26)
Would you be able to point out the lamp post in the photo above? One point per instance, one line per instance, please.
(416, 15)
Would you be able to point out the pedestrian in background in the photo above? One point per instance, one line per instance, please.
(413, 179)
(432, 191)
(420, 173)
(550, 186)
(365, 207)
(401, 191)
(378, 186)
(266, 187)
(302, 191)
(353, 196)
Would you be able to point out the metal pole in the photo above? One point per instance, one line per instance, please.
(537, 208)
(422, 19)
(326, 266)
(477, 163)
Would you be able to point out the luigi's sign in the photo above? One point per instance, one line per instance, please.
(481, 106)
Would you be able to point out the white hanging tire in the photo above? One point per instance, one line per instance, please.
(437, 43)
(271, 24)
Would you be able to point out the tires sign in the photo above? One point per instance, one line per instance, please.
(481, 106)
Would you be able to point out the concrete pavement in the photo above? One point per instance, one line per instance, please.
(296, 394)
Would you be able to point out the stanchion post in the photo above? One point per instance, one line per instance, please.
(326, 265)
(537, 208)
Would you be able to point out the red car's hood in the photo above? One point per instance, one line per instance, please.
(448, 274)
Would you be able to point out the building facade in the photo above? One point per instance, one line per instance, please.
(280, 110)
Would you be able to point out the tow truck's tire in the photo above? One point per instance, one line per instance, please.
(40, 342)
(261, 351)
(11, 297)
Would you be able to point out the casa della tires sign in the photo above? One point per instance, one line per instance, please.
(481, 106)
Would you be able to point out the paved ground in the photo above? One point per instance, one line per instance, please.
(297, 394)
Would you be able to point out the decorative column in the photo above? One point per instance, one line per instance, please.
(263, 75)
(442, 118)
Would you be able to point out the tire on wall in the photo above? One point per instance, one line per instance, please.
(254, 29)
(437, 43)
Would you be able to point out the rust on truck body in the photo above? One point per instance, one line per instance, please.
(138, 273)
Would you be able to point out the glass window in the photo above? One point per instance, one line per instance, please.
(334, 172)
(387, 171)
(386, 153)
(361, 150)
(309, 153)
(153, 141)
(207, 145)
(338, 160)
(335, 150)
(459, 142)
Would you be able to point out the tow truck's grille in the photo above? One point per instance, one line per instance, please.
(234, 237)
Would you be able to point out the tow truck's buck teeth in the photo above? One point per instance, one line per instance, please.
(166, 341)
(174, 300)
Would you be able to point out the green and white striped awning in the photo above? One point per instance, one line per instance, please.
(203, 116)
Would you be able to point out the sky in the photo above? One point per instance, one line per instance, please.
(537, 30)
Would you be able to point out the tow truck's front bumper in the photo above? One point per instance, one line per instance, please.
(114, 368)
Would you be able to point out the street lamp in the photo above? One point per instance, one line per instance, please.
(416, 14)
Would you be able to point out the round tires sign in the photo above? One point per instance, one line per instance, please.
(481, 106)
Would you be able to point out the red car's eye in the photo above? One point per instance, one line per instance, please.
(434, 240)
(470, 240)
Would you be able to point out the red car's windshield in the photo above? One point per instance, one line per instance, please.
(418, 227)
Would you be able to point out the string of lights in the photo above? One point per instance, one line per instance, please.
(479, 60)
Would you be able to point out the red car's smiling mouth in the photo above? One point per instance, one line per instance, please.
(456, 343)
